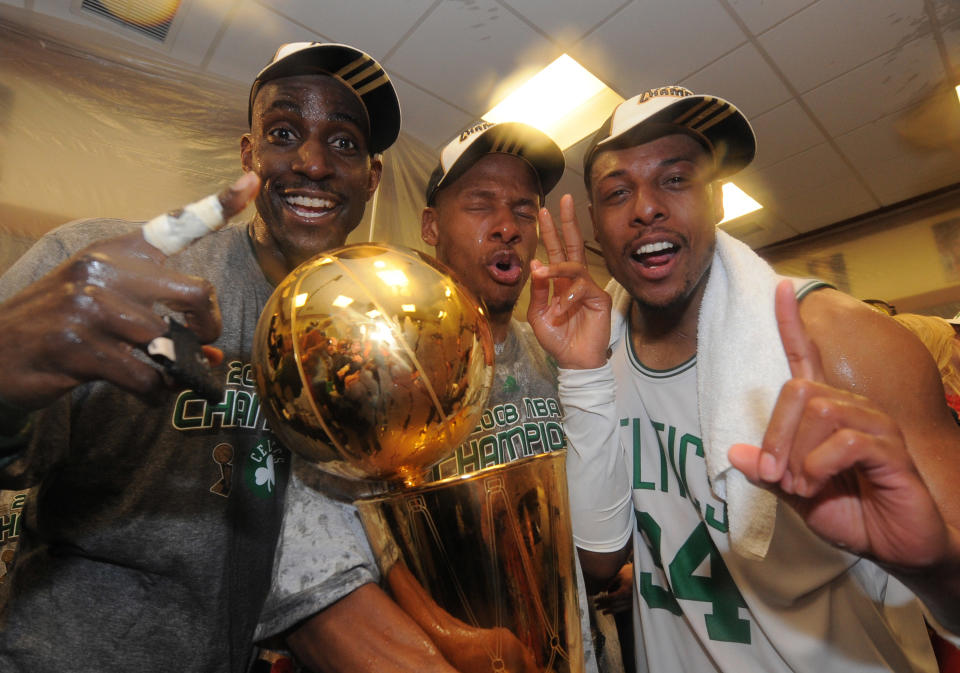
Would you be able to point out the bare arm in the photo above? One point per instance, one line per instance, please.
(365, 632)
(861, 444)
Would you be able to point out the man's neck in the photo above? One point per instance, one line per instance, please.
(499, 326)
(271, 260)
(665, 338)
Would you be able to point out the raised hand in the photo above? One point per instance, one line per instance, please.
(574, 325)
(841, 462)
(84, 319)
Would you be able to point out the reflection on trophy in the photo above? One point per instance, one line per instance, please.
(373, 363)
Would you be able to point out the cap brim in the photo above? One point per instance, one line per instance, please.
(514, 138)
(716, 123)
(357, 70)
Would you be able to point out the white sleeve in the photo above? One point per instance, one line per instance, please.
(598, 481)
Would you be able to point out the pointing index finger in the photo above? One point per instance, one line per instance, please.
(802, 354)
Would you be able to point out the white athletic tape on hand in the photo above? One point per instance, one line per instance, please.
(172, 234)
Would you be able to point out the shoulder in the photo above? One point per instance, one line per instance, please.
(869, 353)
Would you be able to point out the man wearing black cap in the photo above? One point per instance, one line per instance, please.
(786, 497)
(148, 539)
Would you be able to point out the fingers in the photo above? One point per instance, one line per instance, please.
(234, 198)
(551, 238)
(567, 243)
(809, 416)
(572, 238)
(801, 352)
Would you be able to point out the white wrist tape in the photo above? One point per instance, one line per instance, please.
(172, 234)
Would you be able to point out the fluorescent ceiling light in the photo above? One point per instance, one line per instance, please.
(736, 202)
(563, 100)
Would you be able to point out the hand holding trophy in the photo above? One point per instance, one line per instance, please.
(373, 363)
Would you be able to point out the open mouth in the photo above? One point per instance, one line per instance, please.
(309, 206)
(652, 255)
(505, 267)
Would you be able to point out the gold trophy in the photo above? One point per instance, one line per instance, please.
(373, 364)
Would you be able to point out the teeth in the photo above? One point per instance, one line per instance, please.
(653, 247)
(309, 202)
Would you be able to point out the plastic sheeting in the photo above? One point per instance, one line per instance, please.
(86, 131)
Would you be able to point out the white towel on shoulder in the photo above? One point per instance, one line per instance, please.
(741, 367)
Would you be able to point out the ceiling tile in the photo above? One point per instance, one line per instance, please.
(891, 82)
(760, 229)
(371, 25)
(824, 205)
(463, 52)
(897, 169)
(783, 132)
(759, 15)
(251, 39)
(426, 117)
(832, 37)
(819, 175)
(744, 79)
(806, 171)
(200, 23)
(564, 22)
(640, 47)
(946, 10)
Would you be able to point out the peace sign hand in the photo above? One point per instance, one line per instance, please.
(573, 326)
(841, 462)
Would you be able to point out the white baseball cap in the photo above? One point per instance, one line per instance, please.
(717, 124)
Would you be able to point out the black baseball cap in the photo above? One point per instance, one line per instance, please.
(355, 69)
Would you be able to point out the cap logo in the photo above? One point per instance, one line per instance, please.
(476, 128)
(362, 68)
(705, 115)
(676, 91)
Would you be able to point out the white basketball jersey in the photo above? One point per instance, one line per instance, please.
(698, 606)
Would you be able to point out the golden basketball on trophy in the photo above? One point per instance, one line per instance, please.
(373, 363)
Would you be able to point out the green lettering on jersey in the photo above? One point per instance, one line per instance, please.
(638, 481)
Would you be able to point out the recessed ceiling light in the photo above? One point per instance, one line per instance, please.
(564, 100)
(958, 90)
(736, 202)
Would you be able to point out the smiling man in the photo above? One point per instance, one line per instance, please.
(787, 486)
(149, 535)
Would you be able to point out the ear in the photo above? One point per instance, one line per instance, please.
(429, 226)
(717, 194)
(246, 152)
(376, 172)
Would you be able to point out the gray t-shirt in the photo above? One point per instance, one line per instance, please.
(148, 544)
